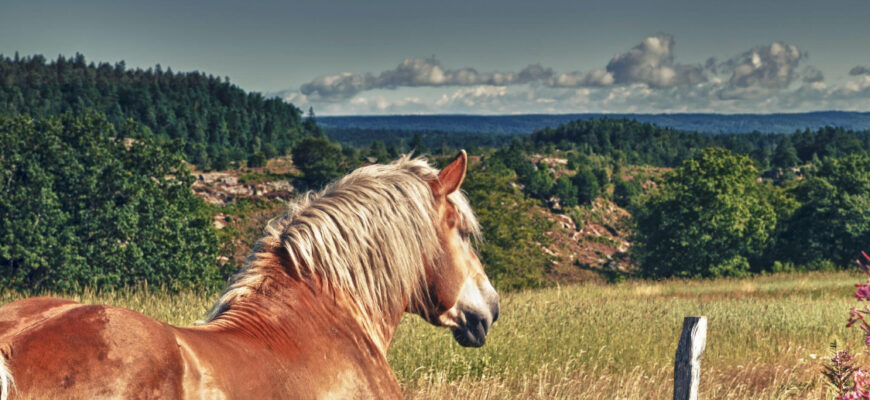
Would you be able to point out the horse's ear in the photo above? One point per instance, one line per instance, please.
(451, 176)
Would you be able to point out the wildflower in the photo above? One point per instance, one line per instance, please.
(863, 292)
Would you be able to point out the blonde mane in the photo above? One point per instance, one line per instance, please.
(369, 233)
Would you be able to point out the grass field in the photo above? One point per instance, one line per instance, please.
(768, 337)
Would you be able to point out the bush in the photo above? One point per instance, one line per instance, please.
(84, 205)
(588, 188)
(320, 160)
(626, 192)
(565, 191)
(270, 151)
(257, 160)
(706, 219)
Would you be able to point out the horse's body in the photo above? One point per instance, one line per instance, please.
(289, 325)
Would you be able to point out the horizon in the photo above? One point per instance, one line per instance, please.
(589, 113)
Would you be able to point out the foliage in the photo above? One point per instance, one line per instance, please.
(633, 142)
(513, 236)
(626, 192)
(378, 150)
(840, 372)
(587, 183)
(834, 214)
(418, 145)
(85, 205)
(320, 160)
(849, 381)
(566, 191)
(706, 220)
(257, 159)
(196, 108)
(785, 154)
(526, 123)
(446, 142)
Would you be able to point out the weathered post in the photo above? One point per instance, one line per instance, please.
(687, 363)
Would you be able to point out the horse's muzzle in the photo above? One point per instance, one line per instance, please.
(477, 324)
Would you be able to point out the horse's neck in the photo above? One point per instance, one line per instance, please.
(289, 308)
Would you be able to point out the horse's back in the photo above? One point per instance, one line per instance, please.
(62, 349)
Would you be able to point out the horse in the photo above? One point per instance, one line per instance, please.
(310, 314)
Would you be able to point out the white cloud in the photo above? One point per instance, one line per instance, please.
(646, 78)
(415, 72)
(770, 66)
(651, 62)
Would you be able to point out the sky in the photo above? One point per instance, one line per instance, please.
(352, 57)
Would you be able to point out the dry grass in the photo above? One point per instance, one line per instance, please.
(767, 339)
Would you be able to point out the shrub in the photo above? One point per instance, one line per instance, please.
(320, 161)
(626, 192)
(565, 191)
(588, 187)
(84, 205)
(257, 160)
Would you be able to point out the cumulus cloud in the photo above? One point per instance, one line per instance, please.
(415, 72)
(645, 78)
(764, 71)
(771, 66)
(813, 75)
(651, 62)
(597, 77)
(859, 70)
(337, 87)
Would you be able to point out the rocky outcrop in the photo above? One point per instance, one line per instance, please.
(224, 187)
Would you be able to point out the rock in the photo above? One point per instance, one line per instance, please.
(220, 221)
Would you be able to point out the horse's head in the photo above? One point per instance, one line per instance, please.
(461, 296)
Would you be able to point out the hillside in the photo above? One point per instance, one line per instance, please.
(582, 244)
(218, 121)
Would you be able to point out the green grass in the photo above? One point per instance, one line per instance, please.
(266, 176)
(767, 338)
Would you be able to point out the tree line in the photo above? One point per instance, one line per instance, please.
(633, 142)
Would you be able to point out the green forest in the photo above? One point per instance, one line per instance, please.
(97, 162)
(217, 121)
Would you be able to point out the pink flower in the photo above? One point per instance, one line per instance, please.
(863, 292)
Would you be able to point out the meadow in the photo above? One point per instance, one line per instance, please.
(768, 338)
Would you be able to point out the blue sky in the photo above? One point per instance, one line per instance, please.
(482, 57)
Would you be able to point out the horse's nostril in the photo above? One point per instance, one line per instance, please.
(471, 319)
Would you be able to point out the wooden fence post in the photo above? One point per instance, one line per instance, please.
(687, 363)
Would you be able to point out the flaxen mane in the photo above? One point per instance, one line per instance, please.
(369, 234)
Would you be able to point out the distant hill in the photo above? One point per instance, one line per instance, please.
(528, 123)
(218, 121)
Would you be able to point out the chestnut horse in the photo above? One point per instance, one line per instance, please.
(310, 315)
